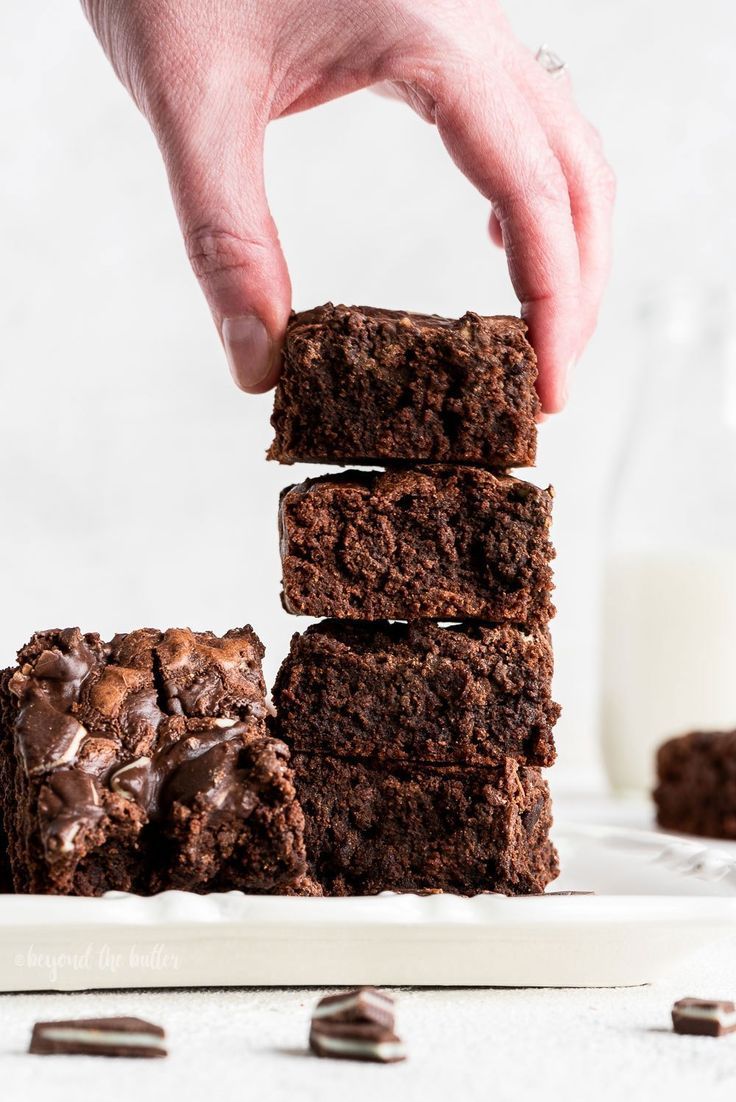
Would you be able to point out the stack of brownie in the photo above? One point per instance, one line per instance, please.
(417, 741)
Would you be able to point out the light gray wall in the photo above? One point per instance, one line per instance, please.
(134, 487)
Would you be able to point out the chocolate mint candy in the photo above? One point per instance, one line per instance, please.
(356, 1041)
(367, 1005)
(704, 1017)
(98, 1037)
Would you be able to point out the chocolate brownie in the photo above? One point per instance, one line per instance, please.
(418, 692)
(439, 543)
(696, 784)
(370, 828)
(365, 385)
(144, 764)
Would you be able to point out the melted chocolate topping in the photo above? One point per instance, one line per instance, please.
(151, 719)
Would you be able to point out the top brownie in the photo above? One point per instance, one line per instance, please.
(144, 764)
(362, 385)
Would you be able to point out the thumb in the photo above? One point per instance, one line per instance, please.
(231, 239)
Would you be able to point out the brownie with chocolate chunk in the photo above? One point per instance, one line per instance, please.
(440, 543)
(144, 764)
(418, 692)
(696, 784)
(363, 385)
(371, 828)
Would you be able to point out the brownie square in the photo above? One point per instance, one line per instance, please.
(418, 692)
(144, 764)
(696, 784)
(370, 828)
(363, 385)
(439, 543)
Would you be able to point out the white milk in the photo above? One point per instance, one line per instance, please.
(669, 655)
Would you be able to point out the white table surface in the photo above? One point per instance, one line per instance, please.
(490, 1045)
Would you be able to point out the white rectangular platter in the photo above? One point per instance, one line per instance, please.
(657, 899)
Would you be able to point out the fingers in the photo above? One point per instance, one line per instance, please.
(590, 180)
(497, 142)
(215, 165)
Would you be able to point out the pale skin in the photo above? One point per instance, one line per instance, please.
(210, 75)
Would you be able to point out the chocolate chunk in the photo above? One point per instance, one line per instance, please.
(704, 1017)
(356, 1041)
(367, 1006)
(98, 1037)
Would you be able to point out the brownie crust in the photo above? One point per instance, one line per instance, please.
(440, 543)
(465, 830)
(696, 784)
(364, 385)
(144, 764)
(418, 693)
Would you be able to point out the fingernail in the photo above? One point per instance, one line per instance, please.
(248, 348)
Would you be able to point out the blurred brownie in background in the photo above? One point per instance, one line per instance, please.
(696, 784)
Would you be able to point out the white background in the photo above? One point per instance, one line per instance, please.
(134, 487)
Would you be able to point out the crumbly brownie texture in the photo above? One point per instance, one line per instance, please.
(371, 829)
(418, 692)
(144, 764)
(367, 385)
(439, 543)
(696, 789)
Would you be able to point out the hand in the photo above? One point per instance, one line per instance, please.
(211, 74)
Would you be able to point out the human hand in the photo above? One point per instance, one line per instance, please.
(211, 74)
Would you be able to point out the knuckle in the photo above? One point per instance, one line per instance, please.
(539, 185)
(606, 183)
(602, 178)
(213, 250)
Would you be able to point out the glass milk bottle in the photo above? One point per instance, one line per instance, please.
(669, 586)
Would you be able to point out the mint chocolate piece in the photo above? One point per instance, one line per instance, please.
(704, 1017)
(356, 1041)
(367, 1005)
(98, 1037)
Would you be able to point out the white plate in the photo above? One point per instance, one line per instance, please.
(658, 898)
